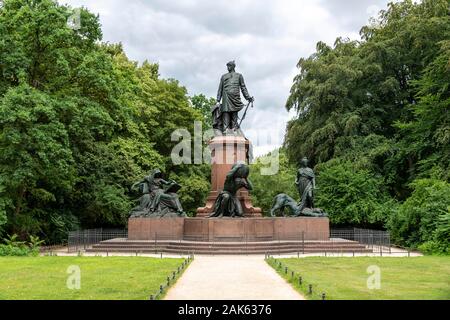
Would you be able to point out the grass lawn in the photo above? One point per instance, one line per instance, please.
(106, 278)
(415, 278)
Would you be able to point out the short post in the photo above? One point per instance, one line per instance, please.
(310, 289)
(299, 280)
(246, 245)
(161, 254)
(173, 275)
(161, 289)
(389, 242)
(323, 296)
(285, 270)
(151, 297)
(292, 274)
(136, 253)
(353, 252)
(303, 242)
(168, 281)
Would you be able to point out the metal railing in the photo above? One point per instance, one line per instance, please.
(376, 240)
(330, 243)
(84, 239)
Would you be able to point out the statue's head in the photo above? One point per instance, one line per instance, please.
(242, 171)
(304, 162)
(156, 173)
(231, 66)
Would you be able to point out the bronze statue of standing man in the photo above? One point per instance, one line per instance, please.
(225, 115)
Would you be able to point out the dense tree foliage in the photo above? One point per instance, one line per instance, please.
(352, 195)
(373, 115)
(424, 217)
(203, 104)
(79, 123)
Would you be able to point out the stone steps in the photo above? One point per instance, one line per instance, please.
(224, 247)
(275, 247)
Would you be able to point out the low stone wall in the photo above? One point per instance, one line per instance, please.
(229, 229)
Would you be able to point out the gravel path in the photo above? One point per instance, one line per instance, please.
(231, 278)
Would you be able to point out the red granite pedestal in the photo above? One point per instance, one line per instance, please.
(229, 229)
(225, 152)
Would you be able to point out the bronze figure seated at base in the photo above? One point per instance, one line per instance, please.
(159, 197)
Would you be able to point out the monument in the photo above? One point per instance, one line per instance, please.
(229, 146)
(228, 215)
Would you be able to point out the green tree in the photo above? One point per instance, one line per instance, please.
(374, 113)
(364, 87)
(36, 163)
(353, 195)
(80, 123)
(424, 216)
(203, 104)
(427, 136)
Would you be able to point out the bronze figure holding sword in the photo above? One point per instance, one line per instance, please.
(225, 114)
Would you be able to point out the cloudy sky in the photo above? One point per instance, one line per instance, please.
(193, 39)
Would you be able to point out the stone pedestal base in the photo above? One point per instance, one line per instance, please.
(155, 228)
(225, 152)
(229, 229)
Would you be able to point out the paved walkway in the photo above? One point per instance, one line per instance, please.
(231, 278)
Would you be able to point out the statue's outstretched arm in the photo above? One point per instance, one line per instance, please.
(164, 181)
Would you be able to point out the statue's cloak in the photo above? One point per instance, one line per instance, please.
(231, 85)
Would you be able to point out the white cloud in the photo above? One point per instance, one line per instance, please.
(193, 40)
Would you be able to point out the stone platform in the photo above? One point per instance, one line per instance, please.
(229, 229)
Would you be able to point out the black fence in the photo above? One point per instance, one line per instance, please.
(376, 241)
(84, 239)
